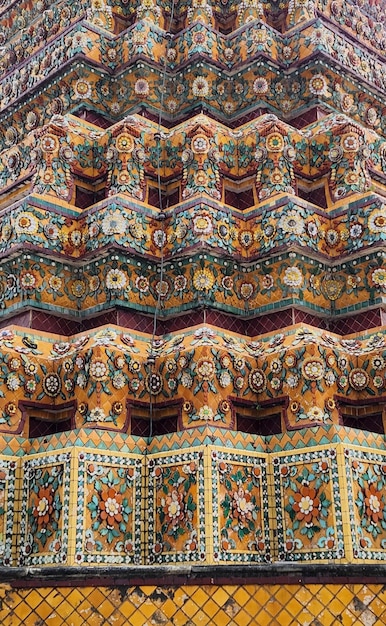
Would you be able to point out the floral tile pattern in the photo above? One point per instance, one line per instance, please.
(7, 509)
(310, 375)
(290, 279)
(203, 504)
(192, 200)
(240, 507)
(109, 509)
(176, 508)
(309, 516)
(366, 480)
(88, 85)
(45, 502)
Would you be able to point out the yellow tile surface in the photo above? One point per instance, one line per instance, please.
(233, 605)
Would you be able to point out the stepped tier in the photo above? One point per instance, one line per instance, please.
(277, 253)
(109, 378)
(197, 282)
(116, 72)
(301, 95)
(265, 157)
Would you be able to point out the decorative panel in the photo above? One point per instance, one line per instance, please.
(45, 510)
(108, 509)
(7, 509)
(308, 507)
(240, 507)
(176, 508)
(366, 483)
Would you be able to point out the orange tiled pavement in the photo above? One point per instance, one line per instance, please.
(229, 605)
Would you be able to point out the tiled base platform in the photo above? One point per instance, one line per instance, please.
(356, 604)
(191, 531)
(314, 496)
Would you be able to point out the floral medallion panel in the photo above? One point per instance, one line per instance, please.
(309, 515)
(176, 508)
(109, 509)
(7, 509)
(240, 507)
(45, 510)
(366, 482)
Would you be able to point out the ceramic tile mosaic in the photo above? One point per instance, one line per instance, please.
(108, 509)
(366, 482)
(241, 528)
(45, 509)
(8, 491)
(192, 294)
(356, 604)
(177, 508)
(204, 504)
(203, 376)
(308, 506)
